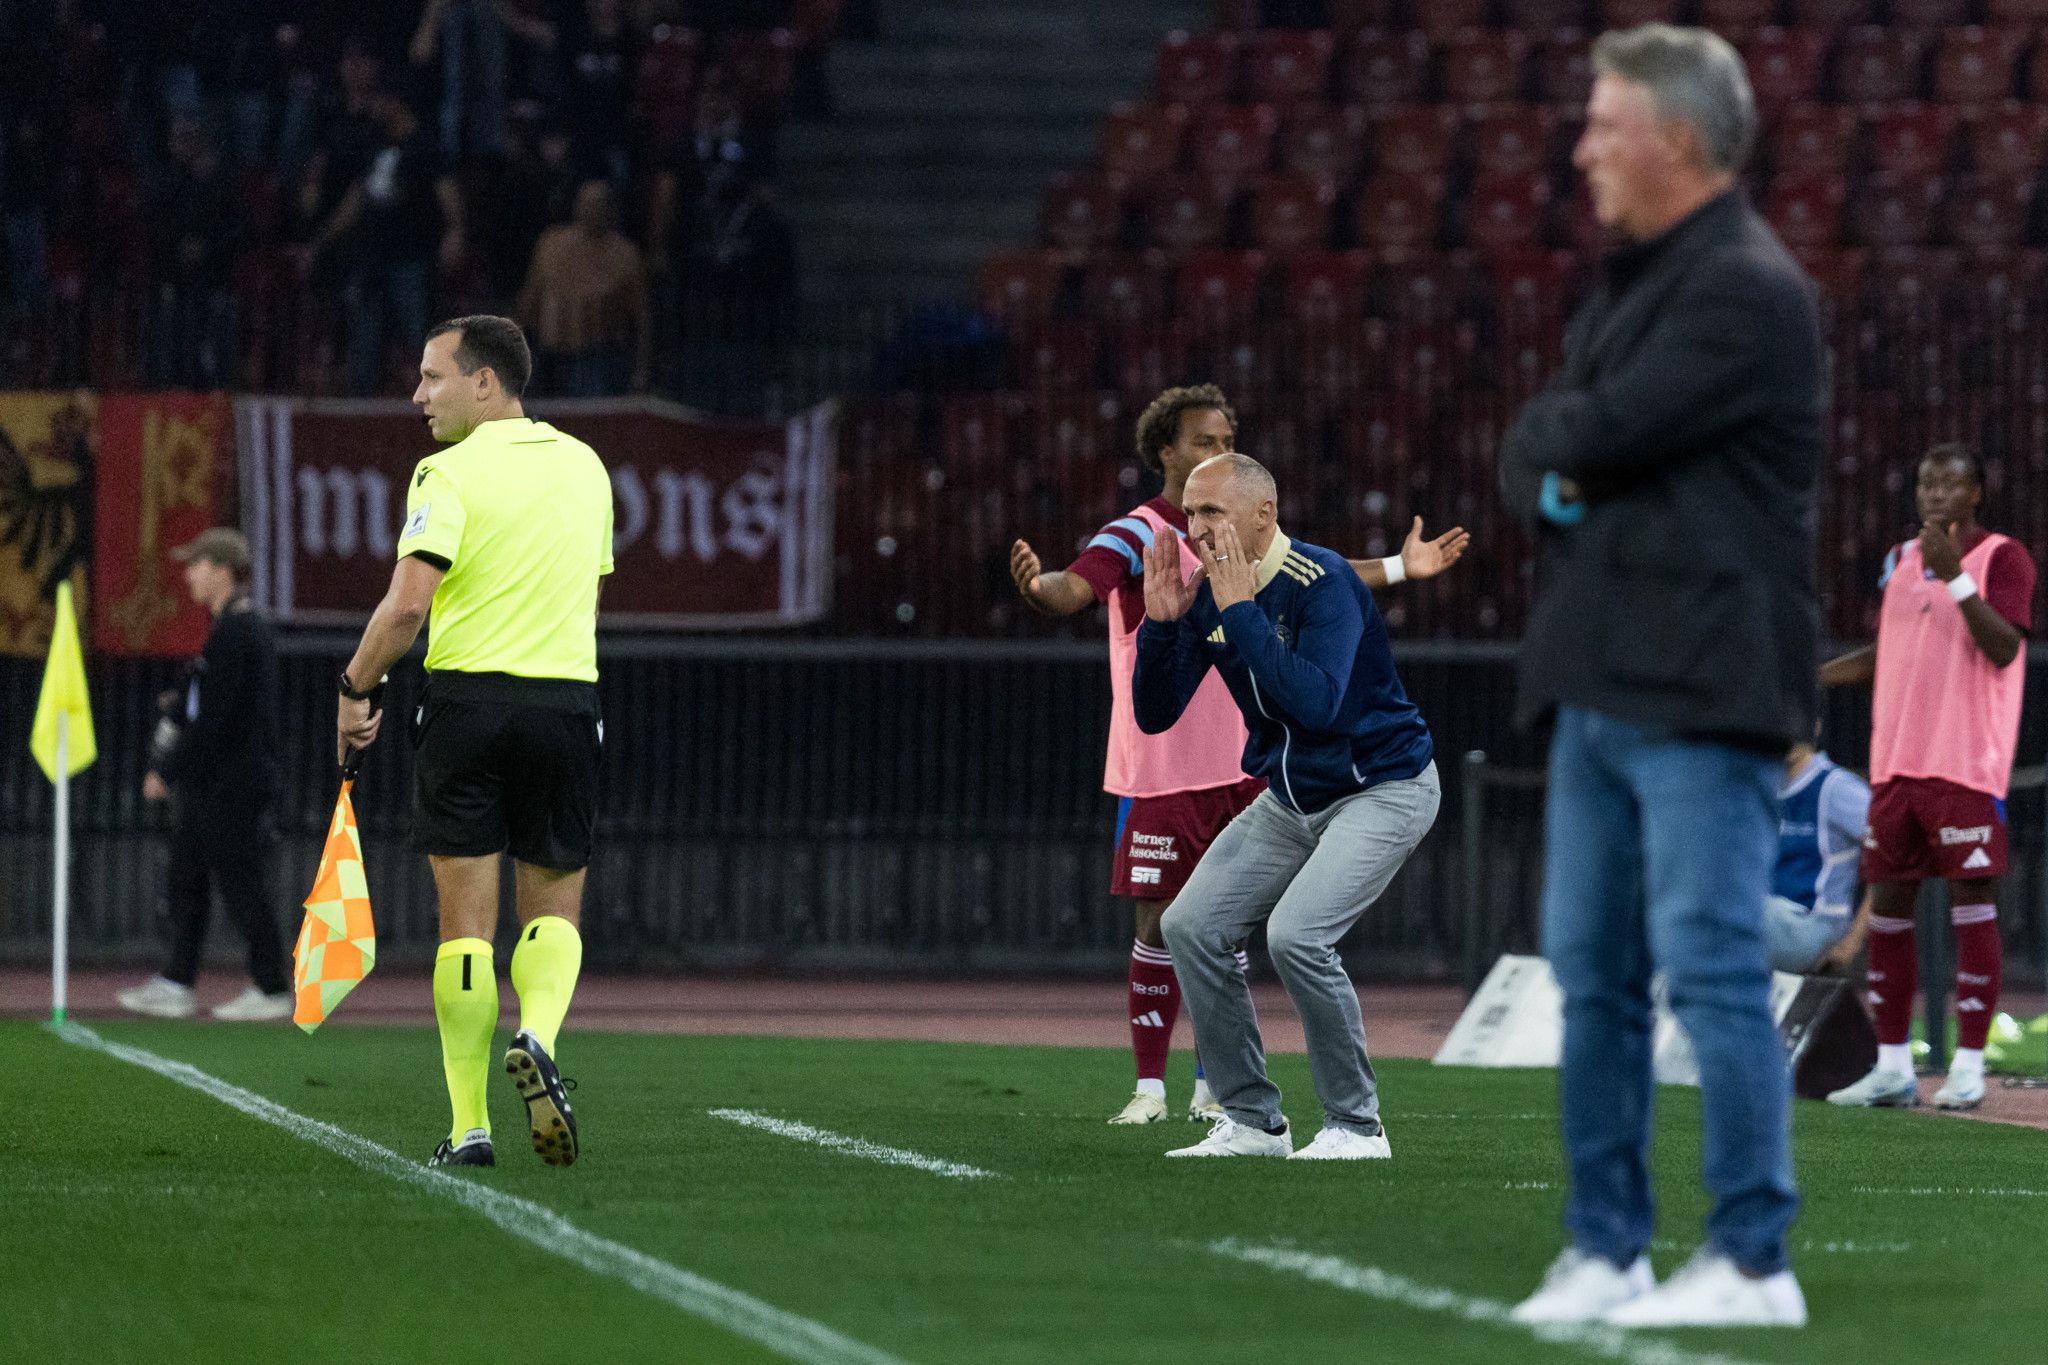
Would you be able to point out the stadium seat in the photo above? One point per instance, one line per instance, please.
(1913, 140)
(663, 86)
(1577, 228)
(1541, 17)
(1929, 13)
(1837, 270)
(1562, 69)
(1728, 17)
(1288, 68)
(1326, 287)
(1785, 66)
(1442, 18)
(1896, 211)
(1148, 357)
(1422, 289)
(2036, 76)
(1399, 212)
(1806, 211)
(978, 433)
(1484, 66)
(1326, 142)
(1378, 444)
(1830, 13)
(1197, 69)
(1380, 68)
(1876, 65)
(1814, 139)
(1127, 286)
(1020, 287)
(1081, 213)
(1533, 289)
(1349, 16)
(1219, 291)
(1057, 357)
(1416, 139)
(1186, 213)
(1142, 142)
(760, 68)
(1978, 65)
(1231, 145)
(1629, 13)
(1983, 214)
(2008, 139)
(2016, 11)
(1290, 213)
(1508, 213)
(1513, 140)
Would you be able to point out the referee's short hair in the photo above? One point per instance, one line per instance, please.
(488, 340)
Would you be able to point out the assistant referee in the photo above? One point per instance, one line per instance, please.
(508, 534)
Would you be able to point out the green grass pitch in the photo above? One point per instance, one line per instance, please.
(142, 1220)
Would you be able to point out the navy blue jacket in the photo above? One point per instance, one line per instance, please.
(1308, 662)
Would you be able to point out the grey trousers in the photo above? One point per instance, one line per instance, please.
(1309, 877)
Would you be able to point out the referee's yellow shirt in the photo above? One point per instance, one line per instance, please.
(523, 515)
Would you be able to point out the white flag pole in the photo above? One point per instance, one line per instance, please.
(60, 908)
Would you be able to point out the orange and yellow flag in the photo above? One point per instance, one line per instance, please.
(338, 942)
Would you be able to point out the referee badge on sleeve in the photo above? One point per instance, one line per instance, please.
(417, 522)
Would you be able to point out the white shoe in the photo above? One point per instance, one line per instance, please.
(1881, 1089)
(158, 996)
(1710, 1291)
(1341, 1144)
(1143, 1108)
(1202, 1105)
(1583, 1288)
(1231, 1138)
(253, 1006)
(1962, 1090)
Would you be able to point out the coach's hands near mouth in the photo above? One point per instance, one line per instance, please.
(1167, 596)
(1233, 577)
(355, 727)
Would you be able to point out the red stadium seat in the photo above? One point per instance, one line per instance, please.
(1737, 16)
(1290, 213)
(1913, 140)
(2036, 77)
(1814, 139)
(1288, 68)
(1988, 215)
(1806, 211)
(1629, 13)
(1233, 144)
(1398, 212)
(1577, 227)
(1021, 286)
(2017, 11)
(1197, 68)
(1563, 69)
(1513, 140)
(1142, 142)
(1414, 139)
(1218, 291)
(1127, 286)
(1830, 13)
(1057, 357)
(1505, 214)
(760, 68)
(1442, 18)
(1327, 143)
(1896, 211)
(1837, 270)
(1929, 13)
(1240, 16)
(1540, 17)
(1877, 65)
(1349, 16)
(1422, 289)
(1327, 287)
(2008, 140)
(1081, 213)
(1785, 65)
(1186, 213)
(1533, 288)
(1978, 65)
(1380, 68)
(1484, 66)
(1379, 444)
(1149, 357)
(978, 432)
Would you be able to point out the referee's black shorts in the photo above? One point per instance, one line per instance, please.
(506, 765)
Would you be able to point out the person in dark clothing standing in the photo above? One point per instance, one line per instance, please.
(1671, 466)
(214, 759)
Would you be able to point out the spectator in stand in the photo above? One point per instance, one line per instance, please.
(194, 231)
(474, 39)
(600, 56)
(737, 278)
(27, 177)
(585, 299)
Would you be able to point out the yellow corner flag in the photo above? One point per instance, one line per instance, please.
(338, 942)
(63, 694)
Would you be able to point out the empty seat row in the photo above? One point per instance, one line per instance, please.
(1443, 17)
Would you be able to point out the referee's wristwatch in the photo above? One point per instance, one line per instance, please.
(348, 689)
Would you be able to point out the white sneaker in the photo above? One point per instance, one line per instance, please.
(158, 996)
(1583, 1288)
(1341, 1144)
(253, 1006)
(1962, 1090)
(1710, 1291)
(1881, 1089)
(1231, 1138)
(1202, 1105)
(1143, 1108)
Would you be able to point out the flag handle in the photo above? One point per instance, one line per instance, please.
(353, 763)
(60, 906)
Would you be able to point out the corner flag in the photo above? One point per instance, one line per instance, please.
(63, 694)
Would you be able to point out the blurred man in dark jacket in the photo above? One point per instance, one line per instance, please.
(214, 759)
(1672, 466)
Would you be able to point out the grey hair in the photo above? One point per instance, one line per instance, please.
(1256, 478)
(1692, 75)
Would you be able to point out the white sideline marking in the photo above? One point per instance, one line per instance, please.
(1954, 1189)
(852, 1146)
(1594, 1338)
(786, 1333)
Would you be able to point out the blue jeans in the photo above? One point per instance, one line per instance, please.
(1658, 857)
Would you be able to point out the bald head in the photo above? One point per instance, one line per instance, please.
(1235, 490)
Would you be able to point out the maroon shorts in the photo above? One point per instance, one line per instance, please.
(1923, 827)
(1159, 839)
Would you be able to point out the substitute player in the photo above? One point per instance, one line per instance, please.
(1176, 791)
(1950, 667)
(507, 535)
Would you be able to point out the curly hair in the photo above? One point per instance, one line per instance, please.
(1159, 425)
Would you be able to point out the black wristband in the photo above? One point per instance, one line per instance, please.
(348, 689)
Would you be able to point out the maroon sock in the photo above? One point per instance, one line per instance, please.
(1155, 1005)
(1980, 962)
(1893, 975)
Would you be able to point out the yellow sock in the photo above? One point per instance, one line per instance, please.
(466, 1006)
(544, 968)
